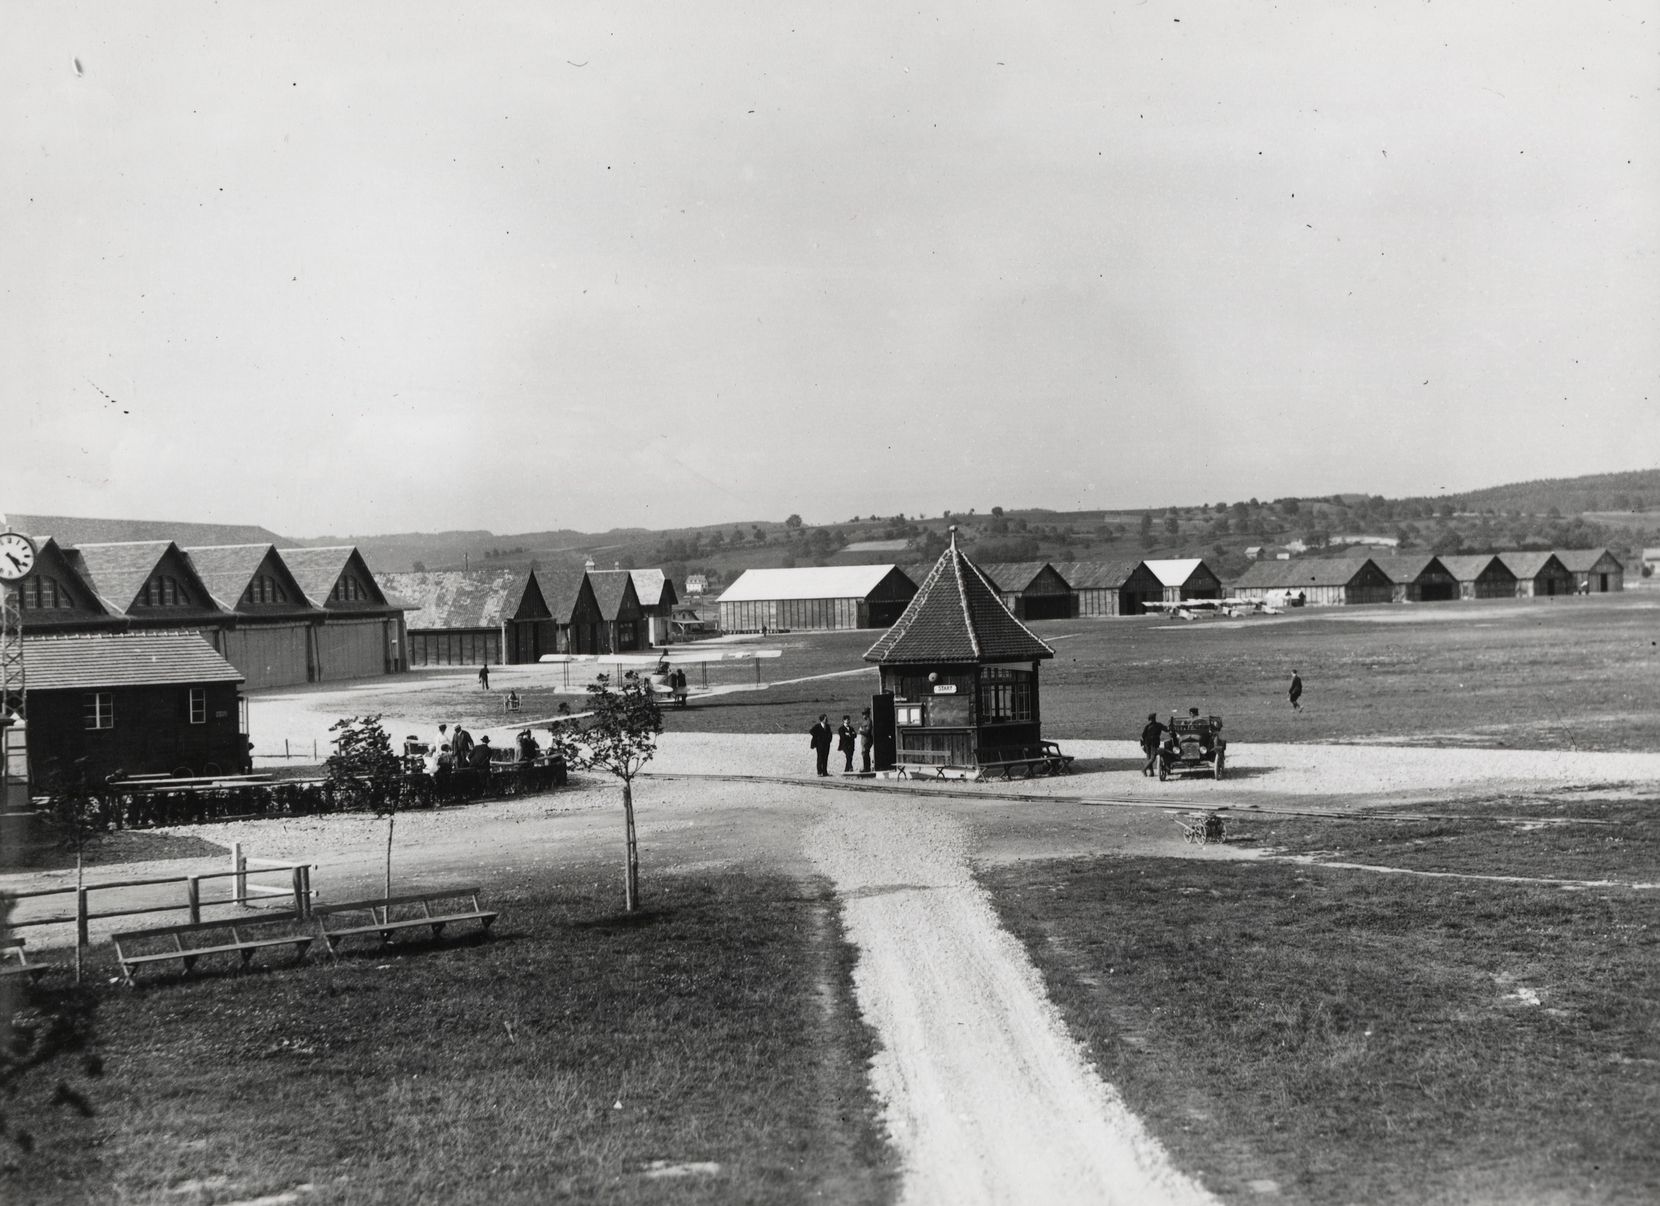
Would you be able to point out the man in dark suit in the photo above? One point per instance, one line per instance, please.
(820, 736)
(1296, 692)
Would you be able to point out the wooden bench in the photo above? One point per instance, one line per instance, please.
(387, 915)
(14, 961)
(243, 934)
(1059, 763)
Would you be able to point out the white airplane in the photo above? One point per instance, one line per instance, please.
(656, 666)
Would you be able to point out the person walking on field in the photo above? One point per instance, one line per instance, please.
(846, 739)
(1296, 692)
(819, 738)
(1151, 734)
(484, 676)
(866, 736)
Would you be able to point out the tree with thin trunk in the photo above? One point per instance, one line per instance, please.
(619, 736)
(76, 814)
(366, 773)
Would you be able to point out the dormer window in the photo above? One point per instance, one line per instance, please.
(40, 593)
(265, 589)
(163, 591)
(348, 590)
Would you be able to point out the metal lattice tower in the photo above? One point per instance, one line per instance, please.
(13, 685)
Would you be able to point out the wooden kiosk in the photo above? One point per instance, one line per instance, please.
(960, 682)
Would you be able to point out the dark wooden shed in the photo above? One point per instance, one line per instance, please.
(1418, 578)
(1539, 574)
(1481, 576)
(960, 671)
(1111, 588)
(1595, 571)
(138, 702)
(1032, 590)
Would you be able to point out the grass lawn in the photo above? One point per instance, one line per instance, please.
(1545, 837)
(1537, 674)
(711, 1041)
(1355, 1037)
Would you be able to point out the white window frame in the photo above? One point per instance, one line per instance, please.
(100, 710)
(198, 705)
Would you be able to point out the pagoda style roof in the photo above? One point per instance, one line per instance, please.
(957, 615)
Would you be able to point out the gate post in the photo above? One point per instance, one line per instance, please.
(239, 866)
(81, 938)
(193, 894)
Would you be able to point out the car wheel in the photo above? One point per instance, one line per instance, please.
(1216, 768)
(1164, 771)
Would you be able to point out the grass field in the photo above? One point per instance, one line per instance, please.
(1548, 837)
(1353, 1037)
(705, 1051)
(1541, 674)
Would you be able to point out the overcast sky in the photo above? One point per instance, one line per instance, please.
(354, 268)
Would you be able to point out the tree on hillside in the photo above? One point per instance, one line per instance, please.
(619, 737)
(794, 521)
(366, 773)
(1146, 531)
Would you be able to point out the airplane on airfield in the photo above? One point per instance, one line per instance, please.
(656, 665)
(1195, 609)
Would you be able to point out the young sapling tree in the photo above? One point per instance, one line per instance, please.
(619, 736)
(366, 773)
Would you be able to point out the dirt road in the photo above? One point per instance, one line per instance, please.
(986, 1096)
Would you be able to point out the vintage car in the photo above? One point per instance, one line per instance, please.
(1193, 744)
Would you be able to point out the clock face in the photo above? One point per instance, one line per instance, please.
(17, 556)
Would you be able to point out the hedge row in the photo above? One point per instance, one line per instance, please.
(151, 809)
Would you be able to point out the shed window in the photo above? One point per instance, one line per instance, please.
(348, 589)
(1005, 695)
(198, 705)
(100, 710)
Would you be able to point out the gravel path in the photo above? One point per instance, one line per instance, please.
(986, 1096)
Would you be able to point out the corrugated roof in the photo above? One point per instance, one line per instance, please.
(1174, 571)
(806, 582)
(1303, 572)
(957, 616)
(1096, 575)
(1582, 560)
(132, 659)
(457, 598)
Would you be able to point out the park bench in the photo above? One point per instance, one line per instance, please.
(387, 915)
(191, 941)
(14, 961)
(1038, 758)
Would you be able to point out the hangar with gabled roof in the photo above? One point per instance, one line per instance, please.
(815, 598)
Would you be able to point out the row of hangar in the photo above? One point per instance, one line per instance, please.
(874, 596)
(278, 616)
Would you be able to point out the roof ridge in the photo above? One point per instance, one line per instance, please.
(957, 560)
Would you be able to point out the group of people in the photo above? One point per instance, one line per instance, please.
(456, 750)
(673, 681)
(848, 738)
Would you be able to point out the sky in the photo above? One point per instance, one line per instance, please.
(374, 267)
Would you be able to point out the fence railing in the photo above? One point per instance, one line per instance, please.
(298, 890)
